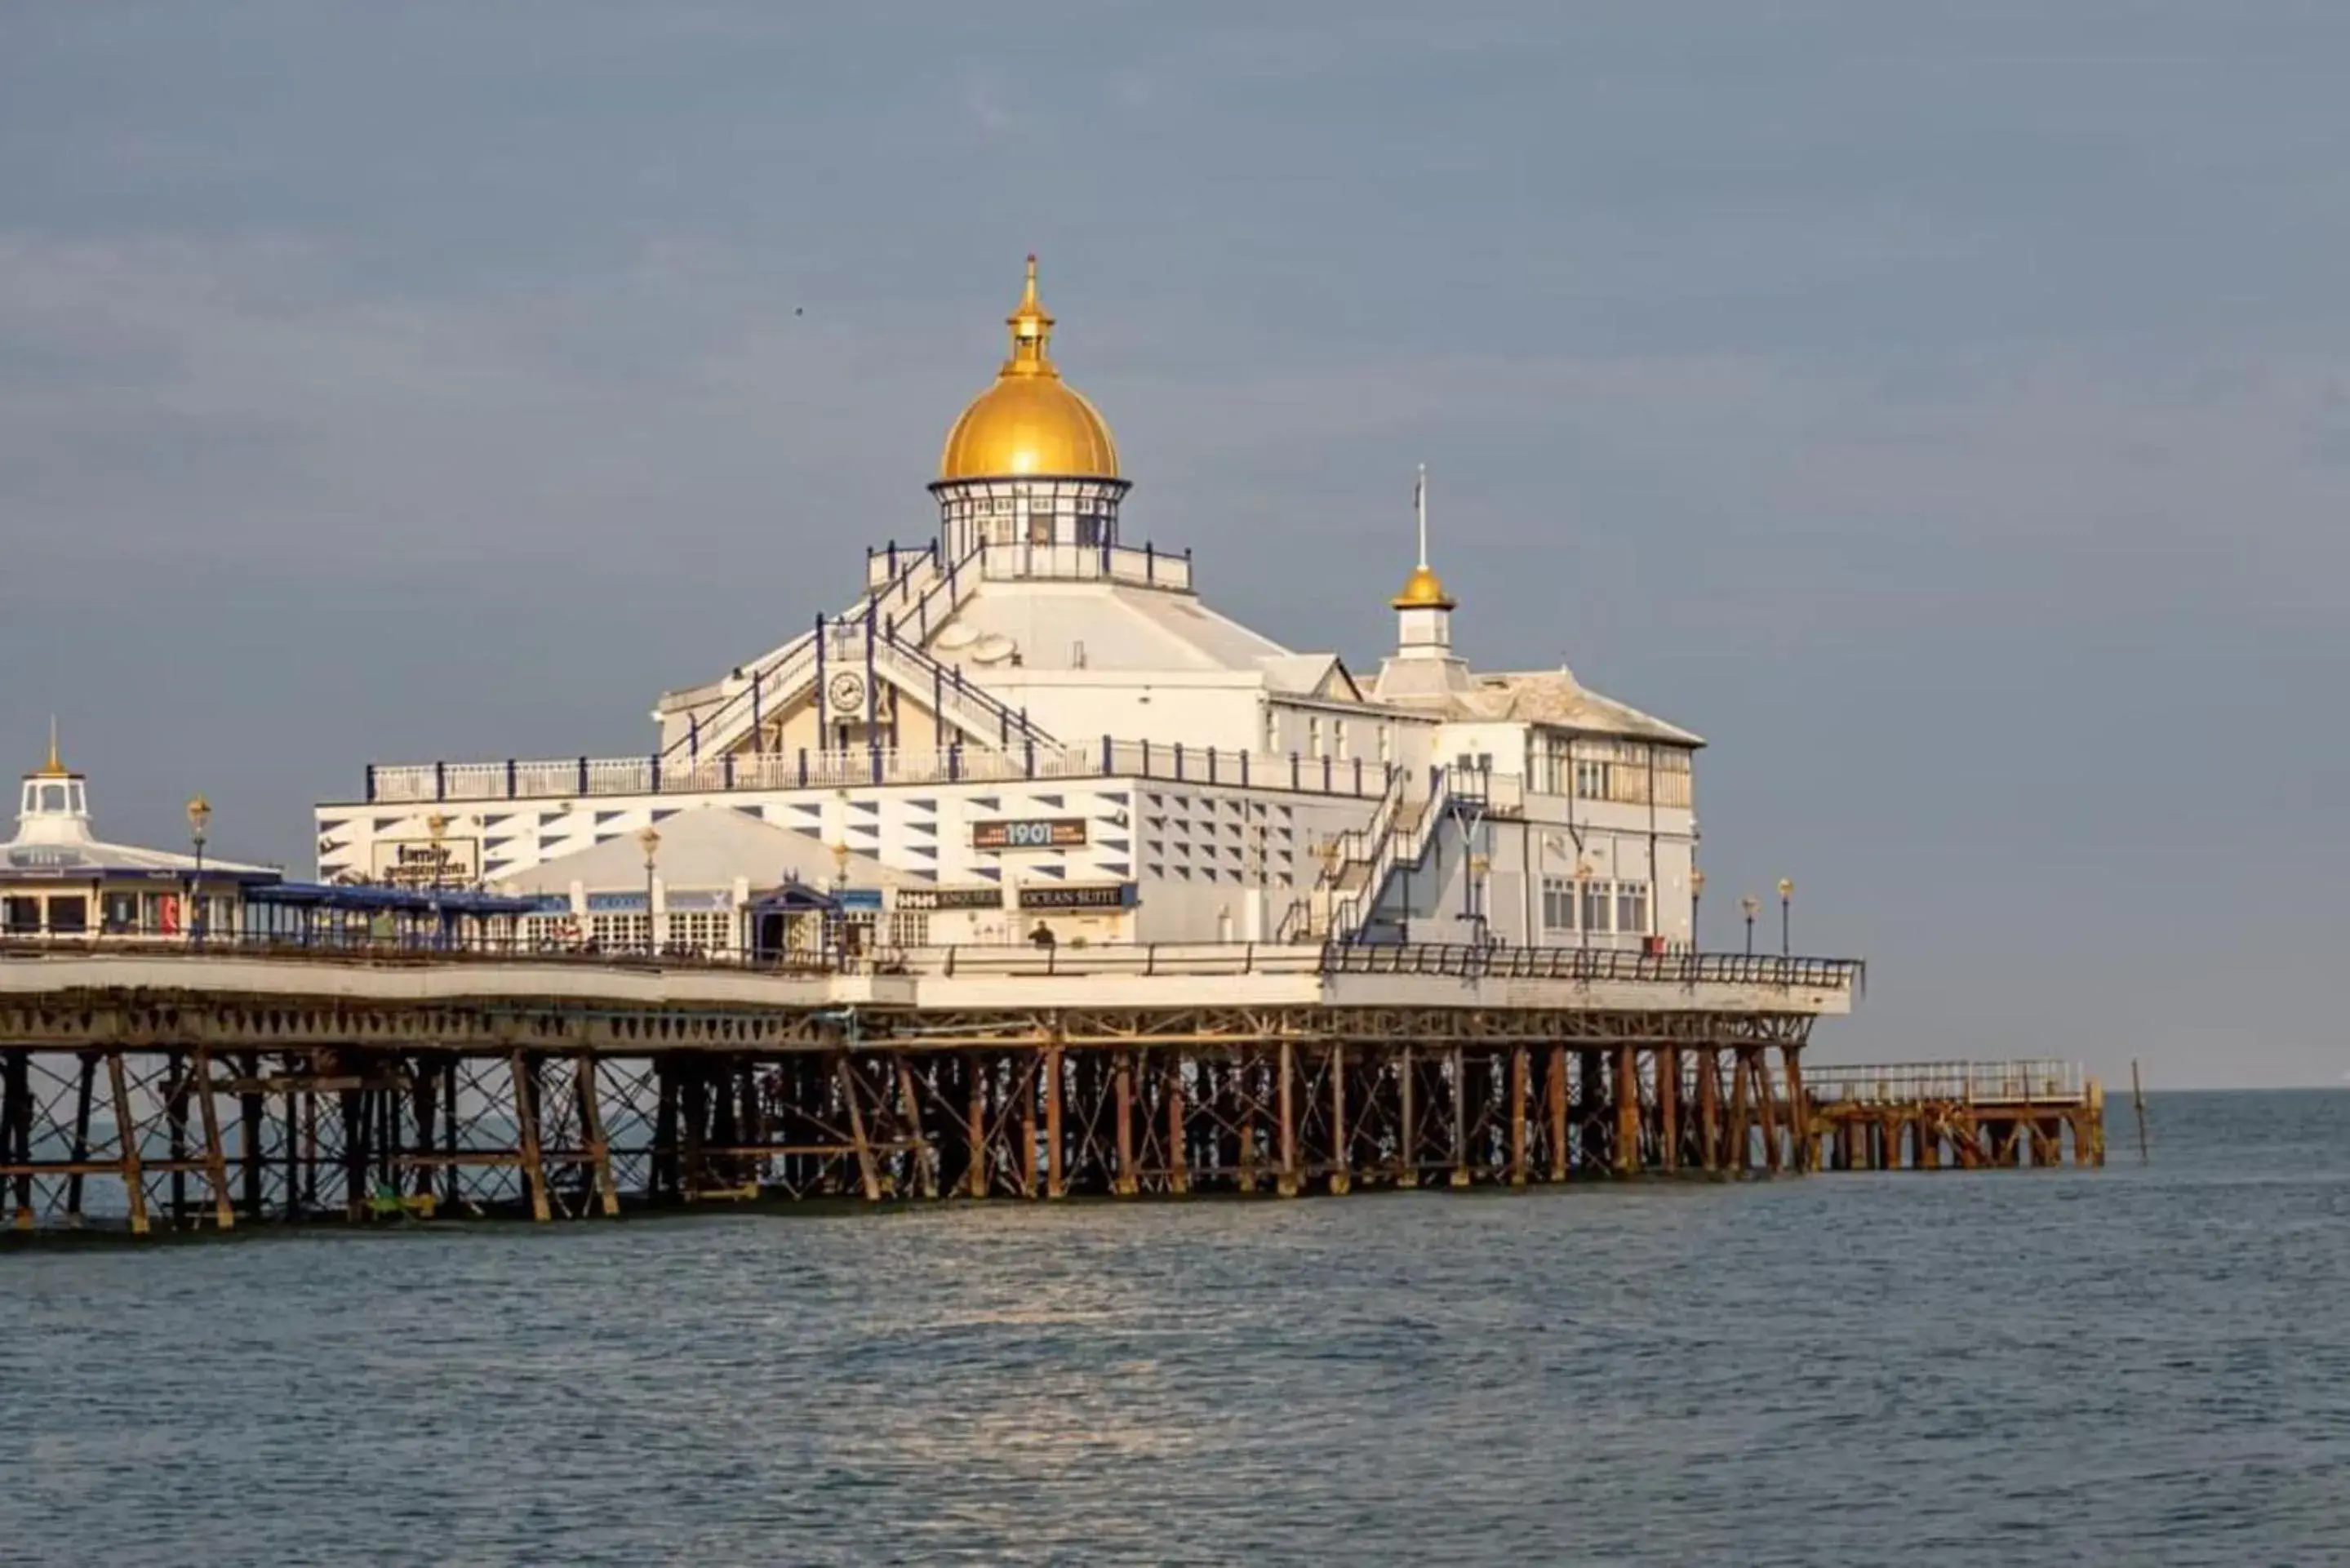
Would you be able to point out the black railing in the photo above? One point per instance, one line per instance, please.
(1470, 963)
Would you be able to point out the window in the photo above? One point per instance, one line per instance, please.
(909, 928)
(1338, 729)
(1594, 780)
(619, 930)
(1271, 730)
(120, 912)
(1314, 735)
(1558, 903)
(706, 932)
(21, 915)
(1595, 907)
(1632, 907)
(68, 912)
(53, 797)
(1387, 744)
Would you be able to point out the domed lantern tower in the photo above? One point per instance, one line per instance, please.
(1031, 462)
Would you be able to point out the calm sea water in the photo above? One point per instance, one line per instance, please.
(2134, 1365)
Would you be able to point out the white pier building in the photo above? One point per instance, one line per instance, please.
(1033, 722)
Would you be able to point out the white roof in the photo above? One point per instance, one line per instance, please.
(1118, 628)
(701, 846)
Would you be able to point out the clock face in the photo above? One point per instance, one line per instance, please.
(847, 690)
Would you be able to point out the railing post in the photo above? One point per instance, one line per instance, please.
(510, 778)
(874, 757)
(1031, 750)
(1150, 562)
(1244, 770)
(1294, 783)
(730, 770)
(370, 783)
(583, 776)
(803, 767)
(1189, 580)
(954, 760)
(1211, 765)
(693, 737)
(1106, 767)
(1325, 775)
(1179, 762)
(440, 781)
(1359, 776)
(1146, 756)
(656, 772)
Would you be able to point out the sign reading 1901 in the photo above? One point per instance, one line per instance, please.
(1029, 832)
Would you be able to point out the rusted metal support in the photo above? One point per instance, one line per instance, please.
(1341, 1154)
(84, 1090)
(1179, 1165)
(1742, 1123)
(975, 1126)
(1460, 1177)
(526, 1112)
(1626, 1084)
(1766, 1094)
(1669, 1107)
(1123, 1183)
(591, 1129)
(1799, 1106)
(1408, 1106)
(1031, 1089)
(1708, 1108)
(1286, 1181)
(1518, 1114)
(126, 1142)
(926, 1153)
(1557, 1089)
(215, 1152)
(1056, 1185)
(868, 1176)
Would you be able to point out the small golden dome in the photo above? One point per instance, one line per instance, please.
(1422, 590)
(1030, 422)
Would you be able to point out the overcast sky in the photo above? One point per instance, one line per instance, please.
(1944, 409)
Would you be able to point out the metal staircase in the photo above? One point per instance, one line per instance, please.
(883, 631)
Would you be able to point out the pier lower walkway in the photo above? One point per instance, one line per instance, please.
(1966, 1116)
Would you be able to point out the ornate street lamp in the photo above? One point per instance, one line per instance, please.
(1750, 906)
(1582, 902)
(199, 821)
(649, 840)
(1786, 904)
(1697, 895)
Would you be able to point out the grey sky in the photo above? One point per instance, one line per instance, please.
(1946, 414)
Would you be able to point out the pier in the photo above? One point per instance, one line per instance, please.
(171, 1087)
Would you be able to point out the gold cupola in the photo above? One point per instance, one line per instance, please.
(1031, 423)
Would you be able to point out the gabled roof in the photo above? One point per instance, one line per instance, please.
(1323, 675)
(702, 847)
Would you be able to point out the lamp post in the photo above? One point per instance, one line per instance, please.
(200, 820)
(649, 840)
(437, 826)
(1786, 904)
(1750, 906)
(1582, 903)
(1697, 895)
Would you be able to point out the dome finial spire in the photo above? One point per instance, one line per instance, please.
(55, 767)
(1423, 590)
(1031, 328)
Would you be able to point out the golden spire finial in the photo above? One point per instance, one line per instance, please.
(1032, 328)
(54, 768)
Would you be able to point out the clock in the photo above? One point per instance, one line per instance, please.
(845, 691)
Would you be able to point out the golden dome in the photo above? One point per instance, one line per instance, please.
(1422, 590)
(1030, 422)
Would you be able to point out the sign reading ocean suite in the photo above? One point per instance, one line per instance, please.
(1029, 832)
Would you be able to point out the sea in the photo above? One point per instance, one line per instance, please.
(2146, 1363)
